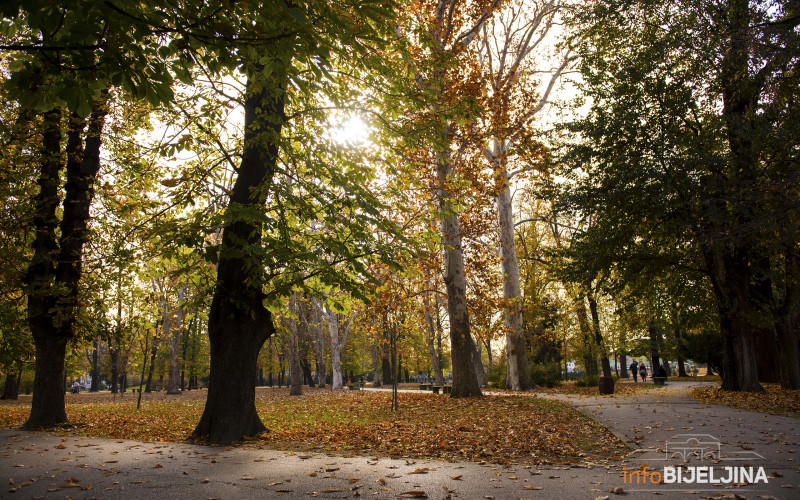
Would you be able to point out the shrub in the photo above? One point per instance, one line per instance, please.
(546, 374)
(497, 374)
(588, 381)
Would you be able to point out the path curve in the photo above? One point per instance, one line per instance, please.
(39, 465)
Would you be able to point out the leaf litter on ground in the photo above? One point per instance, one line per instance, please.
(491, 429)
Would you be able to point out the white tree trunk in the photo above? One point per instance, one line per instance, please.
(319, 338)
(173, 384)
(338, 341)
(517, 374)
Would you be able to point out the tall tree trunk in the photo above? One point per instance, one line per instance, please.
(589, 358)
(308, 379)
(332, 320)
(764, 333)
(153, 353)
(518, 377)
(318, 334)
(465, 380)
(339, 336)
(680, 350)
(185, 350)
(55, 269)
(173, 382)
(377, 379)
(386, 352)
(113, 353)
(477, 362)
(731, 285)
(788, 320)
(655, 342)
(95, 371)
(730, 260)
(238, 323)
(623, 369)
(293, 336)
(438, 376)
(598, 336)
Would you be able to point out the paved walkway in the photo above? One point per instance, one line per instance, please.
(38, 465)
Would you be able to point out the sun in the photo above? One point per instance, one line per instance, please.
(351, 131)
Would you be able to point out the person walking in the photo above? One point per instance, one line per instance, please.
(642, 372)
(635, 370)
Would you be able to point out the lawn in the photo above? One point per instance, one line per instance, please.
(494, 429)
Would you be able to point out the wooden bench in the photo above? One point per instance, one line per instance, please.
(659, 380)
(425, 387)
(436, 388)
(447, 389)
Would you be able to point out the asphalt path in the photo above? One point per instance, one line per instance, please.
(663, 427)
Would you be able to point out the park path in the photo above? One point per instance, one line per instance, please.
(40, 465)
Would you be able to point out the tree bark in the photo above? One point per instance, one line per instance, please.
(623, 368)
(319, 337)
(477, 362)
(95, 371)
(589, 359)
(438, 376)
(465, 380)
(655, 341)
(788, 317)
(518, 377)
(173, 382)
(295, 371)
(730, 259)
(598, 336)
(377, 379)
(153, 353)
(238, 323)
(338, 341)
(55, 269)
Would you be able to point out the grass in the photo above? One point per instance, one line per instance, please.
(492, 429)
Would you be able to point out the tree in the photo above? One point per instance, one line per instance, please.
(678, 164)
(512, 51)
(265, 254)
(339, 324)
(62, 71)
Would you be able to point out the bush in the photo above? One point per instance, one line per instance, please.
(546, 374)
(588, 381)
(497, 375)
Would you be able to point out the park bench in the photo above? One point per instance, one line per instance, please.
(660, 380)
(447, 389)
(425, 387)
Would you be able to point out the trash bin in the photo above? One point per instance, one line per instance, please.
(606, 385)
